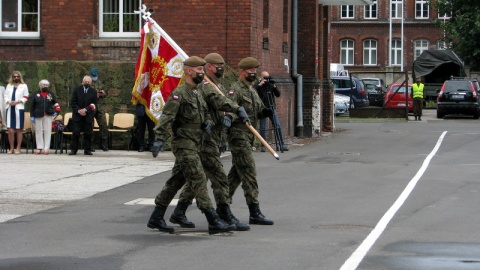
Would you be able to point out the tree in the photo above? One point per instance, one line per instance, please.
(462, 29)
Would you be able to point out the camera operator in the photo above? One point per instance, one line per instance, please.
(266, 89)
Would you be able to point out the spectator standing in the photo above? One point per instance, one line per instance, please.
(417, 96)
(100, 115)
(3, 119)
(267, 91)
(43, 108)
(16, 94)
(144, 122)
(83, 103)
(240, 139)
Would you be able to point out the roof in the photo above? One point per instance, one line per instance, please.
(429, 60)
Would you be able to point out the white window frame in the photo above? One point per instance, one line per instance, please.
(443, 45)
(396, 52)
(371, 11)
(120, 33)
(370, 52)
(422, 7)
(347, 53)
(419, 45)
(349, 10)
(396, 9)
(19, 33)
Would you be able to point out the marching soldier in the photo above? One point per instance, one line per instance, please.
(241, 140)
(210, 152)
(187, 110)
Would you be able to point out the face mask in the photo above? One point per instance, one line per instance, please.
(219, 72)
(198, 78)
(94, 79)
(44, 89)
(16, 80)
(251, 77)
(86, 85)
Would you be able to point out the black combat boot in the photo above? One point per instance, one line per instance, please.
(178, 216)
(216, 224)
(419, 118)
(156, 220)
(415, 118)
(256, 216)
(104, 145)
(224, 212)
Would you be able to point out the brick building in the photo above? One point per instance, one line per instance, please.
(72, 35)
(360, 35)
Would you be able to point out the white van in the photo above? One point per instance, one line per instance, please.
(337, 70)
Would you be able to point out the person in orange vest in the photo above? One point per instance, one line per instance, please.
(417, 95)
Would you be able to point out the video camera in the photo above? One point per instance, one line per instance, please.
(269, 80)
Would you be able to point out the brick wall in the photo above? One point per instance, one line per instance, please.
(235, 29)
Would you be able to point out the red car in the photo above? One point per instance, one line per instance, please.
(395, 97)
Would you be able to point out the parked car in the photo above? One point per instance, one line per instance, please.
(459, 96)
(342, 103)
(378, 82)
(342, 85)
(395, 96)
(375, 95)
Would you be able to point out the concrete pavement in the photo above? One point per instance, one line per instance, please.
(30, 183)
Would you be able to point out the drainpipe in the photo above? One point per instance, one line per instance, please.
(295, 76)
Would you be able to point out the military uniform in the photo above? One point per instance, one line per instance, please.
(188, 110)
(240, 140)
(100, 115)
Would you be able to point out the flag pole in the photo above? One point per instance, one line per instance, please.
(249, 126)
(146, 15)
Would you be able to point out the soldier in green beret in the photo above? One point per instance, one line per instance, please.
(186, 111)
(210, 153)
(240, 139)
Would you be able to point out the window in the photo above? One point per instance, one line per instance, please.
(20, 18)
(396, 52)
(346, 51)
(443, 45)
(371, 11)
(421, 9)
(370, 52)
(118, 18)
(419, 46)
(397, 7)
(347, 12)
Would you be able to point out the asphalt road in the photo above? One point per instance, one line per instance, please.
(373, 195)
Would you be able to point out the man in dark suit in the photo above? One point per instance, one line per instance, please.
(83, 103)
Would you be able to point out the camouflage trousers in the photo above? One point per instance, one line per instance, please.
(243, 170)
(216, 174)
(102, 123)
(188, 170)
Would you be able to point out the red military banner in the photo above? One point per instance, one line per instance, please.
(158, 71)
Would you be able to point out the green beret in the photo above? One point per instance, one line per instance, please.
(214, 58)
(194, 61)
(248, 63)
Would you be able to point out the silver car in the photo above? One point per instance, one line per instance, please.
(342, 103)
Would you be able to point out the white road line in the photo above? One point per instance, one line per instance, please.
(358, 255)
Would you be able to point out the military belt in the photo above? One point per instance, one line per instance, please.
(191, 126)
(239, 125)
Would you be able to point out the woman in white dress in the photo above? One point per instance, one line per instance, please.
(16, 95)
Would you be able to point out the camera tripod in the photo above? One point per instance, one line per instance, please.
(274, 119)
